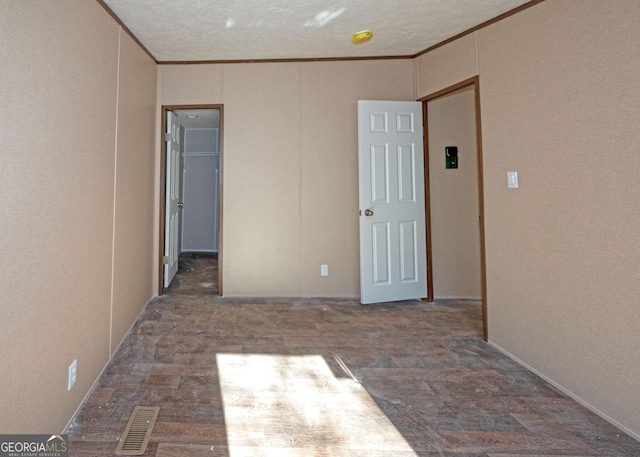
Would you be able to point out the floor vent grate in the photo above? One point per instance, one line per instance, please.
(138, 431)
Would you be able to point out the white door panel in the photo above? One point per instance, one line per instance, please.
(393, 262)
(172, 209)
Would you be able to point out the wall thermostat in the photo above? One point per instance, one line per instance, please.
(451, 156)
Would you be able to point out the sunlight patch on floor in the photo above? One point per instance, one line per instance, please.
(278, 405)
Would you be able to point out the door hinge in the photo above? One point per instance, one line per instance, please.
(165, 260)
(167, 137)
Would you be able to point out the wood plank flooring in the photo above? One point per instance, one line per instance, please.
(197, 274)
(317, 377)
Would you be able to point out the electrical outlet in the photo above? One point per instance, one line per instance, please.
(324, 270)
(72, 374)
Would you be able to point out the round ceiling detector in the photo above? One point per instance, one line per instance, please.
(362, 36)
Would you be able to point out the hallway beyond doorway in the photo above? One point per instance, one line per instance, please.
(197, 274)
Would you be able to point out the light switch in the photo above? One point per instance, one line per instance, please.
(512, 179)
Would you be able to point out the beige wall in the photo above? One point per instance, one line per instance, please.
(456, 61)
(290, 167)
(135, 239)
(559, 89)
(455, 234)
(329, 174)
(59, 97)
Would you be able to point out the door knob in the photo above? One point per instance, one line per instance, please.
(180, 204)
(368, 212)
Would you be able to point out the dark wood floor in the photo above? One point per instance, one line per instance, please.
(316, 378)
(197, 274)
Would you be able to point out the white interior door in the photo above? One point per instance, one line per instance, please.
(172, 208)
(393, 255)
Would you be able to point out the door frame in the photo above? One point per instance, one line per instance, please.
(473, 82)
(163, 187)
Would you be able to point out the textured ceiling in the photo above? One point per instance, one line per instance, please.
(214, 30)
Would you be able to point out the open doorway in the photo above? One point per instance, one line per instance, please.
(191, 189)
(454, 194)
